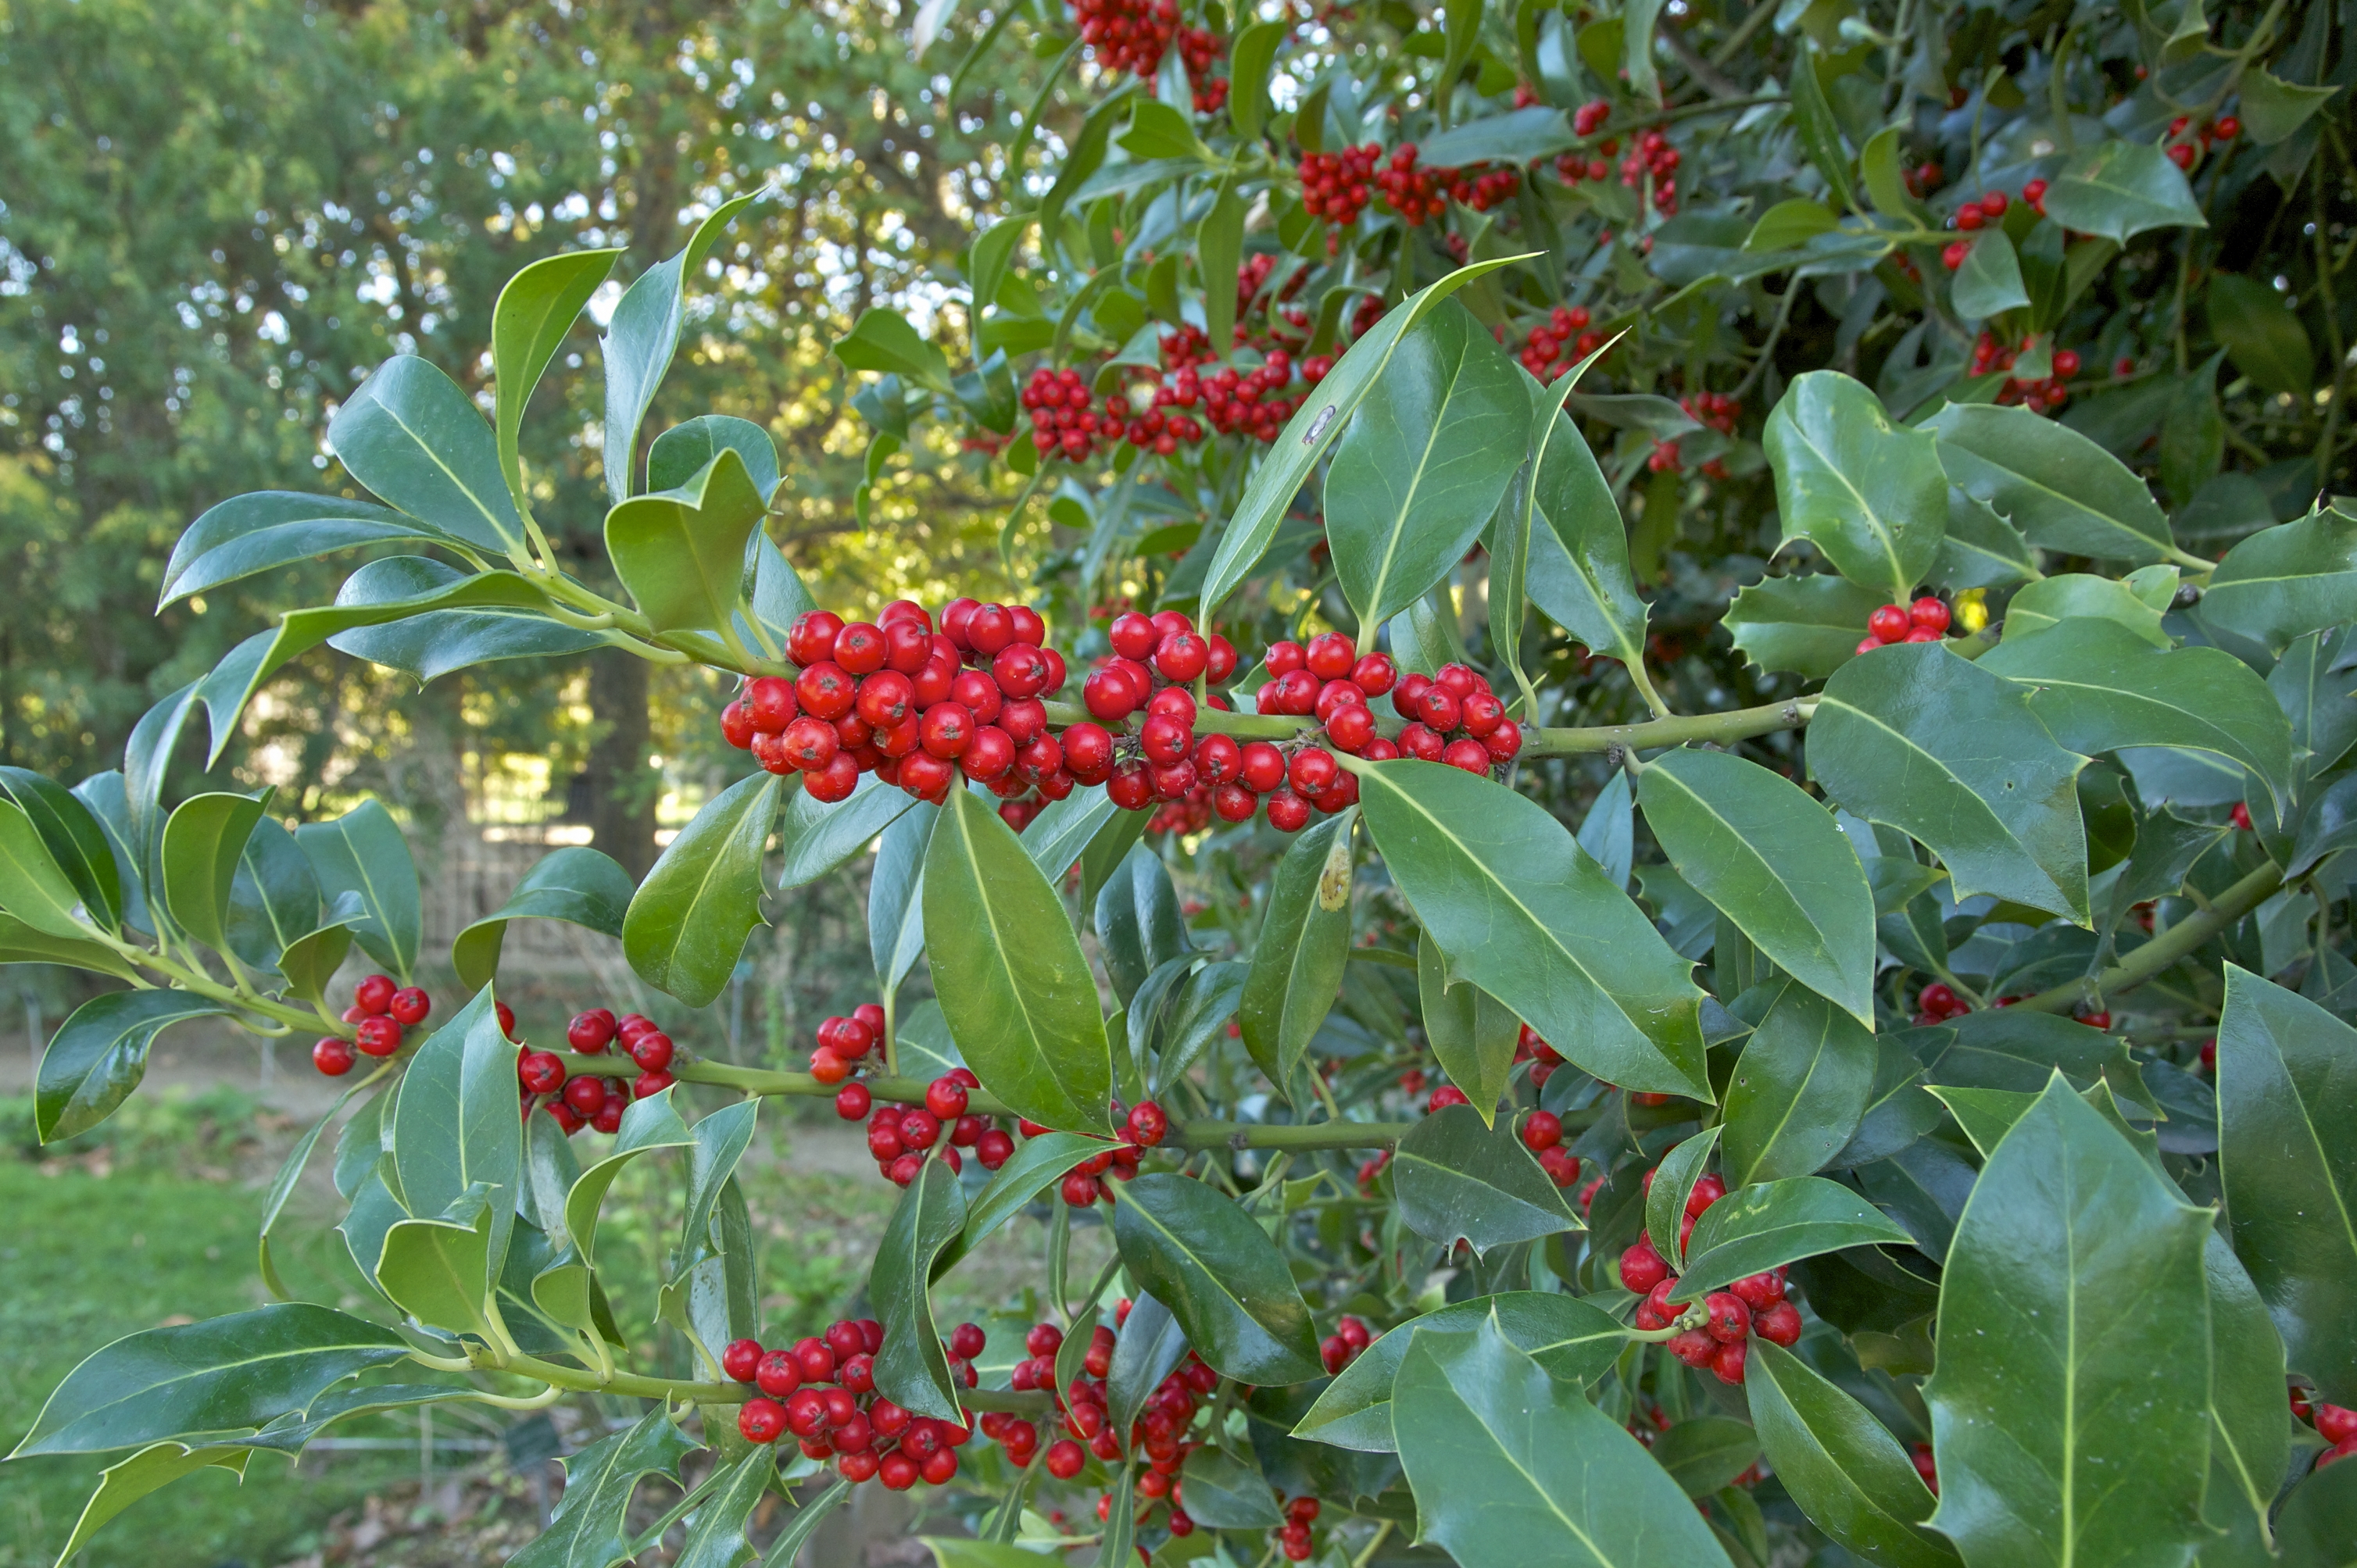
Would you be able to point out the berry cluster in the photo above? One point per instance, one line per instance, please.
(1571, 168)
(1453, 717)
(1159, 1433)
(915, 706)
(380, 1014)
(1753, 1304)
(1589, 117)
(2183, 150)
(844, 1043)
(1342, 1347)
(900, 1135)
(1529, 1046)
(1064, 420)
(1293, 1539)
(2337, 1424)
(1923, 621)
(1159, 764)
(1418, 195)
(1652, 156)
(1542, 1133)
(1128, 35)
(1937, 1002)
(1334, 184)
(592, 1101)
(1482, 189)
(1925, 178)
(1715, 410)
(1199, 49)
(1543, 354)
(823, 1391)
(2037, 396)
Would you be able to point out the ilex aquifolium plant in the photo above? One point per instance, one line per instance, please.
(1814, 1023)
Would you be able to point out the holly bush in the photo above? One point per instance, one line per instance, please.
(1668, 915)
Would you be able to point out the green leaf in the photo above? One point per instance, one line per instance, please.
(1990, 280)
(1755, 845)
(680, 551)
(99, 1055)
(1523, 912)
(1705, 1454)
(282, 1187)
(1770, 1223)
(2319, 1520)
(1138, 923)
(1254, 55)
(456, 1129)
(1458, 1178)
(1843, 1467)
(718, 1539)
(273, 896)
(1035, 1163)
(1198, 1015)
(910, 1370)
(379, 608)
(1982, 550)
(2072, 1304)
(226, 1377)
(1671, 1189)
(363, 853)
(412, 436)
(2097, 686)
(151, 1469)
(310, 961)
(77, 844)
(882, 340)
(536, 310)
(1014, 986)
(2272, 108)
(1218, 246)
(565, 1291)
(1430, 450)
(1947, 752)
(1799, 1091)
(2283, 583)
(1578, 571)
(434, 1270)
(1469, 1031)
(589, 1530)
(2118, 189)
(1808, 625)
(1574, 1342)
(251, 533)
(1789, 225)
(33, 887)
(2251, 1442)
(1314, 427)
(1150, 1347)
(2082, 596)
(202, 842)
(1304, 946)
(2063, 490)
(688, 921)
(1869, 494)
(1509, 1465)
(1517, 136)
(1058, 836)
(1220, 1276)
(1223, 1493)
(577, 884)
(20, 943)
(896, 908)
(688, 448)
(640, 339)
(2287, 1156)
(1819, 132)
(2014, 1049)
(2262, 335)
(815, 836)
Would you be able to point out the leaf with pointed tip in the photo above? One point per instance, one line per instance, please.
(415, 439)
(1026, 1173)
(1459, 1178)
(251, 533)
(565, 1291)
(2013, 1048)
(591, 1519)
(1869, 493)
(1843, 1467)
(2060, 489)
(2118, 189)
(1058, 836)
(455, 1124)
(99, 1055)
(363, 851)
(1471, 1032)
(202, 840)
(536, 309)
(1809, 625)
(1755, 845)
(1220, 1276)
(681, 551)
(688, 921)
(151, 1469)
(1305, 945)
(717, 1536)
(815, 836)
(1667, 1195)
(1150, 1349)
(1523, 912)
(2073, 1292)
(434, 1270)
(1578, 572)
(1509, 1465)
(896, 905)
(1771, 1223)
(641, 337)
(910, 1370)
(273, 896)
(1013, 983)
(576, 884)
(1226, 1493)
(1799, 1091)
(33, 887)
(1138, 923)
(76, 841)
(2284, 582)
(1941, 749)
(20, 943)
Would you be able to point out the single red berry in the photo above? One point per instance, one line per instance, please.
(1079, 1191)
(1889, 624)
(993, 1148)
(851, 1101)
(761, 1420)
(647, 1085)
(539, 1072)
(379, 1036)
(1760, 1291)
(332, 1055)
(828, 1068)
(740, 1359)
(1728, 1364)
(1560, 1165)
(1065, 1457)
(945, 1098)
(1694, 1346)
(585, 1095)
(1642, 1268)
(1781, 1323)
(1313, 771)
(653, 1051)
(1468, 754)
(1147, 1123)
(1731, 1320)
(1542, 1129)
(375, 993)
(1929, 614)
(590, 1032)
(967, 1340)
(2240, 816)
(779, 1373)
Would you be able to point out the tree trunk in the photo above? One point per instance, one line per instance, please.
(621, 790)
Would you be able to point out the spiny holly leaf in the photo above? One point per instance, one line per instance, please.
(588, 1530)
(1868, 493)
(1459, 1179)
(1774, 1224)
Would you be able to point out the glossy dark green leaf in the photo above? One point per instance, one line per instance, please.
(1776, 1222)
(224, 1377)
(1150, 1347)
(146, 758)
(311, 960)
(282, 1187)
(2261, 333)
(536, 310)
(202, 842)
(1457, 1178)
(1843, 1467)
(1220, 1276)
(882, 340)
(2119, 188)
(688, 921)
(1315, 427)
(412, 437)
(2097, 686)
(1755, 845)
(1523, 912)
(815, 836)
(251, 533)
(681, 551)
(2283, 583)
(455, 1127)
(2072, 1302)
(2327, 825)
(1799, 1091)
(99, 1055)
(1869, 493)
(33, 887)
(1573, 1340)
(1304, 946)
(273, 896)
(1990, 280)
(717, 1537)
(591, 1525)
(580, 885)
(1036, 1163)
(1666, 1195)
(1471, 1032)
(432, 644)
(2320, 701)
(1057, 835)
(896, 905)
(1941, 750)
(150, 1470)
(687, 448)
(1226, 1493)
(2063, 490)
(1014, 985)
(1219, 238)
(1808, 625)
(2317, 1523)
(2287, 1154)
(2014, 1049)
(2251, 1443)
(1924, 1187)
(1198, 1014)
(20, 943)
(363, 853)
(75, 840)
(1820, 131)
(1138, 924)
(437, 1271)
(1509, 1465)
(911, 1369)
(1430, 450)
(1706, 1453)
(640, 339)
(1981, 550)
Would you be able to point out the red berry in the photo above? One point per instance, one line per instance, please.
(1288, 812)
(812, 639)
(1134, 635)
(741, 1359)
(1928, 615)
(332, 1055)
(1642, 1268)
(1468, 754)
(374, 993)
(539, 1072)
(652, 1050)
(1560, 1165)
(1263, 768)
(945, 1098)
(1728, 1363)
(1313, 771)
(1889, 624)
(585, 1095)
(379, 1036)
(1731, 1320)
(1284, 657)
(1760, 1291)
(1542, 1129)
(967, 1340)
(1079, 1191)
(761, 1420)
(1781, 1323)
(1065, 1457)
(1147, 1123)
(769, 701)
(779, 1373)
